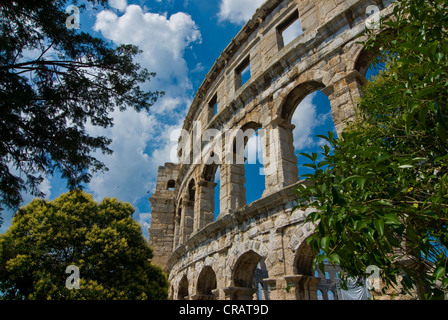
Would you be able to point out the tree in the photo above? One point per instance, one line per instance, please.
(101, 239)
(381, 192)
(53, 81)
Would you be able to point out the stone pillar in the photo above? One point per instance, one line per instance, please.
(204, 210)
(177, 220)
(232, 192)
(344, 98)
(280, 162)
(270, 289)
(302, 287)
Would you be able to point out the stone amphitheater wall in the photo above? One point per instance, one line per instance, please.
(257, 250)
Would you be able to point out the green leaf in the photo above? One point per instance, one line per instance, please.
(391, 218)
(307, 155)
(439, 273)
(379, 226)
(326, 149)
(383, 202)
(334, 258)
(382, 158)
(361, 182)
(323, 163)
(349, 179)
(324, 243)
(406, 166)
(310, 165)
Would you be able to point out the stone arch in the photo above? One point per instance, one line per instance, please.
(244, 269)
(206, 188)
(182, 290)
(360, 58)
(303, 262)
(209, 171)
(363, 61)
(304, 282)
(243, 133)
(187, 212)
(317, 79)
(206, 284)
(295, 96)
(243, 276)
(171, 184)
(281, 161)
(239, 172)
(191, 190)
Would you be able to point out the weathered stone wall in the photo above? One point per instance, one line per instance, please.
(256, 250)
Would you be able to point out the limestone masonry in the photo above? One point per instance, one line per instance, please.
(257, 250)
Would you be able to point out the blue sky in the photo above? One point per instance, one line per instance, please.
(181, 40)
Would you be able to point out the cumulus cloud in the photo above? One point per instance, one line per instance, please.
(306, 119)
(141, 141)
(163, 41)
(238, 11)
(118, 4)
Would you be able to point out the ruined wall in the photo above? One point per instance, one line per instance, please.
(256, 250)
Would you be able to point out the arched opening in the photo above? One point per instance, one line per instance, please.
(303, 263)
(320, 295)
(182, 292)
(304, 113)
(187, 213)
(369, 64)
(209, 199)
(312, 116)
(254, 179)
(331, 295)
(306, 279)
(243, 276)
(296, 96)
(170, 185)
(206, 284)
(191, 190)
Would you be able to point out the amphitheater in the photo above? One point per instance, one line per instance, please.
(257, 250)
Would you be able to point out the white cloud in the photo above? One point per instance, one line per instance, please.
(163, 41)
(141, 141)
(118, 4)
(145, 221)
(238, 11)
(306, 119)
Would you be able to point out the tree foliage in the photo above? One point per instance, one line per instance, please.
(101, 239)
(54, 81)
(382, 189)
